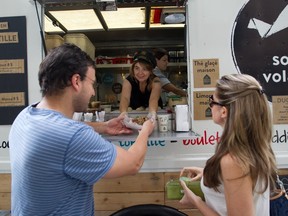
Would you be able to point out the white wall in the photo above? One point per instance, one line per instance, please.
(26, 8)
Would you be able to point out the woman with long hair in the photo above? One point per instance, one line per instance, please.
(236, 179)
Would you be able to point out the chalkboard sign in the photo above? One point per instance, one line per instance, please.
(13, 68)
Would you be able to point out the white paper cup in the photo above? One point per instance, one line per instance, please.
(106, 108)
(163, 121)
(88, 117)
(77, 116)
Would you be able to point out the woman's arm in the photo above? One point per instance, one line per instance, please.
(155, 95)
(125, 96)
(237, 187)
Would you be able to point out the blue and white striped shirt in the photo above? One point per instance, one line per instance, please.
(54, 163)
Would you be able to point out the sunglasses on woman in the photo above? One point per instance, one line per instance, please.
(212, 102)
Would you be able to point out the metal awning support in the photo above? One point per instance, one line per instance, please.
(147, 17)
(55, 21)
(100, 17)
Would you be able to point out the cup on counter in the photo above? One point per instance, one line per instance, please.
(88, 117)
(106, 108)
(163, 121)
(77, 116)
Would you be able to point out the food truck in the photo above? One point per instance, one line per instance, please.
(221, 37)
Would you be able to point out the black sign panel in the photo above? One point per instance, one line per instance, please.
(260, 44)
(13, 68)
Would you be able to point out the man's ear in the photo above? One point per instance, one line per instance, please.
(75, 81)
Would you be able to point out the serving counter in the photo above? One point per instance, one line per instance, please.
(170, 151)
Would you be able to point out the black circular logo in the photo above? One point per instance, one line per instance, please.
(260, 44)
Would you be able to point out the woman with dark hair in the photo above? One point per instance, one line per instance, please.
(162, 60)
(141, 88)
(236, 179)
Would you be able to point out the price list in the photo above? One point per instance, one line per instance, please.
(13, 68)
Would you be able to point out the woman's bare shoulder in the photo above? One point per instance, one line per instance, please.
(230, 167)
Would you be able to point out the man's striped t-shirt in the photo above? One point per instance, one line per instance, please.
(54, 163)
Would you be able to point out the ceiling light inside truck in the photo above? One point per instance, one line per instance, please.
(174, 18)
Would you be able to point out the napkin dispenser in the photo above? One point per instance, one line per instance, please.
(181, 118)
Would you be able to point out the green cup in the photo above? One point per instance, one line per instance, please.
(174, 190)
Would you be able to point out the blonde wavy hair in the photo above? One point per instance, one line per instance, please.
(247, 133)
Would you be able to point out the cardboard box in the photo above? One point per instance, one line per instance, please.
(83, 42)
(176, 100)
(52, 41)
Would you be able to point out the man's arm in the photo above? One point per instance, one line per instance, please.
(129, 162)
(172, 88)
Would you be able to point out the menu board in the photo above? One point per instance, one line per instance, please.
(13, 68)
(280, 109)
(202, 111)
(206, 72)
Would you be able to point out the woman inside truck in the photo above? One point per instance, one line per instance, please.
(141, 89)
(162, 59)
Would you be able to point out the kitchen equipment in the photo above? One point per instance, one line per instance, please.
(181, 118)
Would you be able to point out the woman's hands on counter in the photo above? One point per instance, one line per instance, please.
(115, 126)
(152, 116)
(138, 124)
(149, 126)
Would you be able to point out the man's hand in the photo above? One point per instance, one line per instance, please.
(115, 126)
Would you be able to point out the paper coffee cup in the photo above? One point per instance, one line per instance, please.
(88, 117)
(163, 121)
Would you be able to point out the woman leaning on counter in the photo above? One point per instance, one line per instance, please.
(141, 88)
